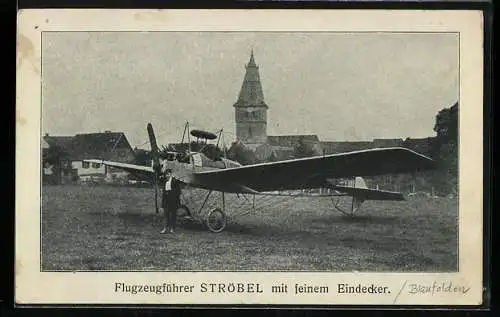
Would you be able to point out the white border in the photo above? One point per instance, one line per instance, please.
(34, 287)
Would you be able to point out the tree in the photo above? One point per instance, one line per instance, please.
(210, 150)
(273, 157)
(446, 126)
(302, 149)
(51, 156)
(241, 154)
(445, 149)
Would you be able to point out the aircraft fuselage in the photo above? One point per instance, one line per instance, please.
(198, 162)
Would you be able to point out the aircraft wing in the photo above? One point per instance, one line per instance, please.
(143, 172)
(311, 172)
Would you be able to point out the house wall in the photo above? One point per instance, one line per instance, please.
(87, 169)
(251, 131)
(94, 171)
(316, 146)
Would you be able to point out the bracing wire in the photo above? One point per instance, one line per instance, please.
(240, 205)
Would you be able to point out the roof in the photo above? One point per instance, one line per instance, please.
(107, 145)
(291, 140)
(387, 142)
(61, 142)
(333, 147)
(251, 94)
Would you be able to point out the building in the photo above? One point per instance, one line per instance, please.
(381, 143)
(334, 147)
(251, 129)
(294, 140)
(251, 121)
(63, 157)
(250, 110)
(251, 125)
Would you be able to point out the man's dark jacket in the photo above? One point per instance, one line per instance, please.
(171, 197)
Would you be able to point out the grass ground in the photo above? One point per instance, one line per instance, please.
(116, 228)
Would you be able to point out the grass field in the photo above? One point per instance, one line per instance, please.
(116, 228)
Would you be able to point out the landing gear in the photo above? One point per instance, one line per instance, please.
(216, 220)
(355, 206)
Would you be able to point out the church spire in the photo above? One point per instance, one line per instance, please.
(250, 110)
(251, 94)
(252, 60)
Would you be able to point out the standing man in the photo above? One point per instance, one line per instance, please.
(171, 193)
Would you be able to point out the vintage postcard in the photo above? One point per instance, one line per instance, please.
(277, 157)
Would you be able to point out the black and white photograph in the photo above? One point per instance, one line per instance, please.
(250, 151)
(225, 151)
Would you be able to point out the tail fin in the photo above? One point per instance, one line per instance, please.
(358, 188)
(359, 182)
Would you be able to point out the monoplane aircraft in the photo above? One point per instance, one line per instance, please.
(195, 169)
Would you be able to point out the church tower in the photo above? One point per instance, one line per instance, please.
(250, 109)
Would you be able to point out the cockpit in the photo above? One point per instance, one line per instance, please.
(200, 152)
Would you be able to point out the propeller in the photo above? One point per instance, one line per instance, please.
(156, 162)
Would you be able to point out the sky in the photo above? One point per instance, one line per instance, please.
(340, 86)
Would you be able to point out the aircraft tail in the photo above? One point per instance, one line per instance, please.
(359, 190)
(359, 182)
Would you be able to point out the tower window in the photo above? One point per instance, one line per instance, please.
(250, 132)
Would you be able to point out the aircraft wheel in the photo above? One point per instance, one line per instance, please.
(216, 220)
